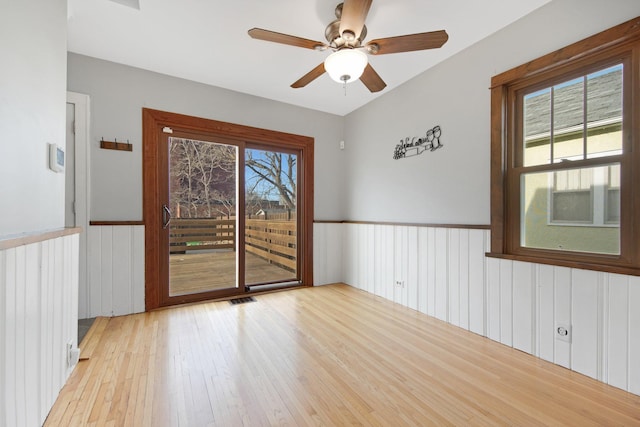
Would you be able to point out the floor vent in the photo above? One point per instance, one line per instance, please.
(241, 300)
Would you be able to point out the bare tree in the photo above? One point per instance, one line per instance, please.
(202, 177)
(276, 172)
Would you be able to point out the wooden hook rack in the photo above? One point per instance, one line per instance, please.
(115, 145)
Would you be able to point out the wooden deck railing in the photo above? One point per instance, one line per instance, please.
(275, 241)
(191, 234)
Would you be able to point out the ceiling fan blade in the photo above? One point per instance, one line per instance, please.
(272, 36)
(372, 80)
(354, 13)
(309, 77)
(408, 43)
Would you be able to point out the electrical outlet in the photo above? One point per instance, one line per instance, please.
(563, 332)
(69, 348)
(400, 283)
(73, 355)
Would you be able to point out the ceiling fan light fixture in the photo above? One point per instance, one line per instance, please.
(346, 65)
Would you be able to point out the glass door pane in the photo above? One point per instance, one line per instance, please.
(202, 203)
(271, 225)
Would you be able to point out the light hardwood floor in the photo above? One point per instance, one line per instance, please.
(330, 355)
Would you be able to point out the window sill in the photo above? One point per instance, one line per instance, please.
(607, 268)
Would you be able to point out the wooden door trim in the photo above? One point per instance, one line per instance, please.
(153, 121)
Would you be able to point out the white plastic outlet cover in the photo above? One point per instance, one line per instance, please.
(562, 332)
(73, 355)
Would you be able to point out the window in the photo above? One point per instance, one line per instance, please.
(565, 143)
(589, 197)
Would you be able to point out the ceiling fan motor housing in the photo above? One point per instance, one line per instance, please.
(338, 41)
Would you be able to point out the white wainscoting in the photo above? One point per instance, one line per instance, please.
(115, 278)
(38, 317)
(327, 254)
(444, 273)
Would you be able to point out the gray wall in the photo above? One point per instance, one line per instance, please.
(118, 93)
(33, 43)
(451, 185)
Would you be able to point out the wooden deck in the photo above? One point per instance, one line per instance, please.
(207, 271)
(319, 356)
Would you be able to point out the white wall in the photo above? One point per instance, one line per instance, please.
(33, 46)
(445, 274)
(38, 317)
(118, 94)
(451, 185)
(327, 254)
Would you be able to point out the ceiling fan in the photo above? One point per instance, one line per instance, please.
(345, 37)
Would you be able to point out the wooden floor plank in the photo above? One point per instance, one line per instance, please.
(330, 355)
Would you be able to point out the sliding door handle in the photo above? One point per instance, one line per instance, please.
(166, 216)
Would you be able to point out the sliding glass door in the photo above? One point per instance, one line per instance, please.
(228, 209)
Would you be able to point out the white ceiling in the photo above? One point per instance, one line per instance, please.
(206, 41)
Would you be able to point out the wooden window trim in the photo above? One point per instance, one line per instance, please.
(621, 39)
(154, 121)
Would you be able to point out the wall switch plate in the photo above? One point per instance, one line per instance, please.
(563, 332)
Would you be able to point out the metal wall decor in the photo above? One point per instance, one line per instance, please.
(410, 147)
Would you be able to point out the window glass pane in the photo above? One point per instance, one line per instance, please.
(571, 206)
(572, 210)
(614, 176)
(271, 238)
(613, 206)
(573, 179)
(604, 112)
(612, 213)
(571, 196)
(568, 120)
(537, 128)
(202, 231)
